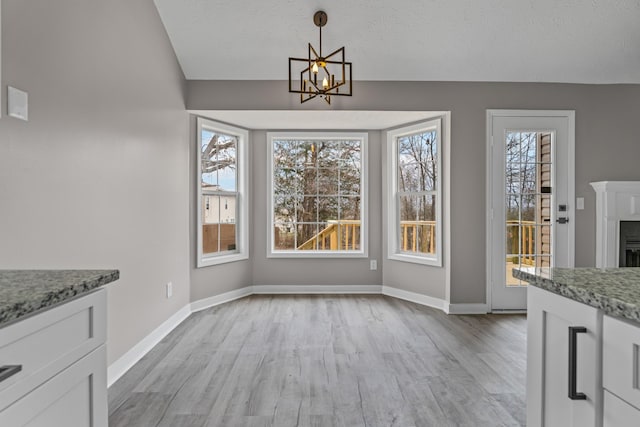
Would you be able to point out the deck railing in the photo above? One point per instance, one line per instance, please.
(523, 240)
(336, 236)
(416, 236)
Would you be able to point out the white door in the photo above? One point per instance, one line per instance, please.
(530, 199)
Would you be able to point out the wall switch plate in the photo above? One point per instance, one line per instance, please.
(580, 203)
(373, 264)
(169, 290)
(17, 103)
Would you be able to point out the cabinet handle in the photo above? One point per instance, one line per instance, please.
(573, 362)
(8, 371)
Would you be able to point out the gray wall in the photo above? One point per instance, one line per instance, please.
(98, 177)
(607, 148)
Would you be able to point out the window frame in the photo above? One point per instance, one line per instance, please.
(364, 189)
(242, 198)
(393, 206)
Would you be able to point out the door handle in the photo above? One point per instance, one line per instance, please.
(8, 371)
(563, 220)
(573, 362)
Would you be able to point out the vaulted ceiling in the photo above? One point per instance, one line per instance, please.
(575, 41)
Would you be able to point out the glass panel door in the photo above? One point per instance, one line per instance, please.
(529, 197)
(530, 190)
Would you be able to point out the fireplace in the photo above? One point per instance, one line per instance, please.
(617, 223)
(629, 254)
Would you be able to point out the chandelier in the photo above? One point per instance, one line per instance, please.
(320, 76)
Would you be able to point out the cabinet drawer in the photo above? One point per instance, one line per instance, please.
(618, 413)
(621, 359)
(49, 342)
(76, 397)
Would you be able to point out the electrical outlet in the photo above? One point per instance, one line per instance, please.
(169, 290)
(373, 264)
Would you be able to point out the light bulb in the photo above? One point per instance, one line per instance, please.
(325, 83)
(314, 68)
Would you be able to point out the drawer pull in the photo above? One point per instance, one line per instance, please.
(573, 362)
(8, 371)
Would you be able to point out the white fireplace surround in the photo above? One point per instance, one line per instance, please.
(615, 201)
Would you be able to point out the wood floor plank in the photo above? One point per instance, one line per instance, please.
(329, 360)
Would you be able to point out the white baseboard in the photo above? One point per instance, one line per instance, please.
(466, 308)
(317, 289)
(414, 297)
(131, 357)
(221, 299)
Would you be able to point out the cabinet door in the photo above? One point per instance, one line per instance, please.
(76, 397)
(549, 317)
(618, 413)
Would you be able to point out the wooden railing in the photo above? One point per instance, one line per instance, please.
(409, 232)
(345, 235)
(336, 236)
(526, 238)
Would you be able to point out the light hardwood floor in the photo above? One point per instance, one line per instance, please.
(319, 360)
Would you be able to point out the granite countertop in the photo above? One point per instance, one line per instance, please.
(614, 290)
(24, 292)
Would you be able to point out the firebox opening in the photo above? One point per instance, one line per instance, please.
(629, 244)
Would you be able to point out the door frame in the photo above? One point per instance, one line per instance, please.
(570, 115)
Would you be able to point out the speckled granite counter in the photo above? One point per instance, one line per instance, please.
(23, 292)
(614, 290)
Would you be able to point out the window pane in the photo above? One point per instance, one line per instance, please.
(218, 155)
(309, 180)
(219, 223)
(228, 208)
(210, 209)
(327, 208)
(328, 153)
(287, 178)
(426, 233)
(307, 209)
(417, 223)
(284, 237)
(426, 207)
(350, 208)
(328, 181)
(417, 162)
(307, 236)
(317, 185)
(285, 208)
(350, 154)
(210, 240)
(408, 208)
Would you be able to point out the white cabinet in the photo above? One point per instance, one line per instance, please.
(62, 376)
(618, 413)
(564, 380)
(621, 372)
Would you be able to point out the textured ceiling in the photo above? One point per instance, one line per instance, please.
(578, 41)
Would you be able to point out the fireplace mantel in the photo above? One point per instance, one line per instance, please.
(615, 201)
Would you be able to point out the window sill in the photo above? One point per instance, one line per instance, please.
(414, 259)
(318, 255)
(221, 259)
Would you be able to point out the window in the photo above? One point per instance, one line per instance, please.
(317, 197)
(221, 201)
(415, 224)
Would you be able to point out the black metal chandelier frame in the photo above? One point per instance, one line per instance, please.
(317, 72)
